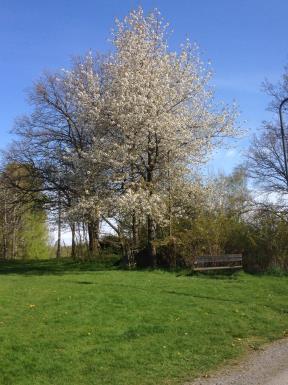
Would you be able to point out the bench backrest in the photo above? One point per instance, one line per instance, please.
(219, 258)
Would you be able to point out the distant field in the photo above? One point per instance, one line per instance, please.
(79, 324)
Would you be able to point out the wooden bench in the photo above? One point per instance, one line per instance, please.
(219, 262)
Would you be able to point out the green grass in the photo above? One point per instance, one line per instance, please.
(79, 324)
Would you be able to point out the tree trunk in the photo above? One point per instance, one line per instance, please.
(126, 252)
(58, 252)
(73, 244)
(5, 248)
(14, 234)
(151, 249)
(170, 197)
(13, 242)
(135, 231)
(93, 234)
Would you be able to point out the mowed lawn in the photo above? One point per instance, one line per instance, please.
(79, 324)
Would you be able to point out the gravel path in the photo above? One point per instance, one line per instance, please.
(268, 366)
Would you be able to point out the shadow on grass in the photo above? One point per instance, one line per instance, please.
(247, 301)
(85, 283)
(66, 265)
(56, 267)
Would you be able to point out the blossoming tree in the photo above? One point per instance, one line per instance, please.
(161, 109)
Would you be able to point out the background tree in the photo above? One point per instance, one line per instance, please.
(265, 159)
(23, 223)
(54, 138)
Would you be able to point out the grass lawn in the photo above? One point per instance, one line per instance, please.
(79, 324)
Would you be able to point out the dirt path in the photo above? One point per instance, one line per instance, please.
(268, 366)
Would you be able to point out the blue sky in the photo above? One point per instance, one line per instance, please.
(245, 40)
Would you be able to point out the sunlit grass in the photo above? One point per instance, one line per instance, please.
(77, 324)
